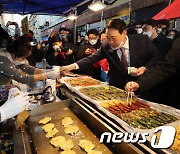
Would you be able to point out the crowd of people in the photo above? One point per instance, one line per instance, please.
(148, 46)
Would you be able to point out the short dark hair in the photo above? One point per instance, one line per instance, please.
(151, 22)
(63, 29)
(56, 39)
(117, 24)
(20, 48)
(163, 22)
(1, 8)
(103, 31)
(93, 31)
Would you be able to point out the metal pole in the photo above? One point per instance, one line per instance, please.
(102, 14)
(129, 10)
(75, 23)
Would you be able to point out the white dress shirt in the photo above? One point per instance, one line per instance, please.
(126, 47)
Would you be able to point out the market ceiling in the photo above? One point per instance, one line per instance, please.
(45, 7)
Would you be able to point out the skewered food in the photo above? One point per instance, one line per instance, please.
(71, 129)
(122, 108)
(51, 133)
(103, 93)
(48, 127)
(86, 145)
(82, 81)
(45, 120)
(67, 121)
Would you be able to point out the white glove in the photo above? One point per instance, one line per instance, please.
(46, 70)
(13, 92)
(53, 75)
(14, 106)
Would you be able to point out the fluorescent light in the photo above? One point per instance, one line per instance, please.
(97, 6)
(72, 17)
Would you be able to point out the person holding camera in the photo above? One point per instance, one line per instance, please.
(17, 28)
(88, 49)
(61, 55)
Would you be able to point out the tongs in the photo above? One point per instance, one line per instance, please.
(130, 94)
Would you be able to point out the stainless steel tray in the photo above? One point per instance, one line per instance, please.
(58, 111)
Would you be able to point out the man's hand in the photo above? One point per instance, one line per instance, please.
(88, 51)
(8, 23)
(68, 68)
(69, 52)
(16, 25)
(132, 86)
(54, 32)
(140, 71)
(93, 50)
(55, 53)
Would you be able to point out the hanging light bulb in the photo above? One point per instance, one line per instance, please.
(97, 6)
(72, 17)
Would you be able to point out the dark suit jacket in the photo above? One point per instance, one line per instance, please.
(168, 68)
(4, 36)
(163, 45)
(142, 53)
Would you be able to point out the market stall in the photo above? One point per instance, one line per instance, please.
(94, 108)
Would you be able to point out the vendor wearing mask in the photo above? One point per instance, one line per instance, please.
(88, 49)
(121, 52)
(13, 65)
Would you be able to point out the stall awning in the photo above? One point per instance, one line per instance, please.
(41, 7)
(172, 11)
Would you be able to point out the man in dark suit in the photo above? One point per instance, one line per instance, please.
(121, 51)
(167, 68)
(162, 43)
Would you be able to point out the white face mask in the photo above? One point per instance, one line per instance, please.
(56, 48)
(93, 42)
(78, 40)
(43, 45)
(170, 37)
(149, 33)
(159, 30)
(139, 30)
(118, 47)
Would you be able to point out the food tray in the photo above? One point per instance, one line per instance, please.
(158, 107)
(72, 88)
(57, 111)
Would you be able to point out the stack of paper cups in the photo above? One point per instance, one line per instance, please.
(52, 83)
